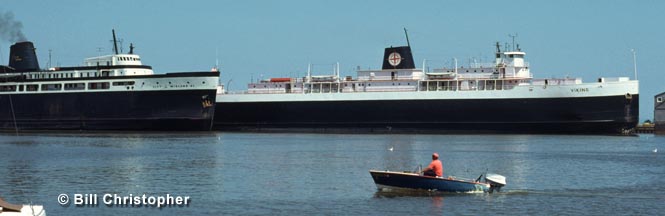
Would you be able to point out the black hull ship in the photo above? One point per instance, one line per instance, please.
(113, 92)
(563, 115)
(497, 97)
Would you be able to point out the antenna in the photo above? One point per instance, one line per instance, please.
(337, 71)
(131, 48)
(407, 38)
(498, 47)
(513, 36)
(634, 63)
(49, 59)
(121, 42)
(115, 42)
(309, 72)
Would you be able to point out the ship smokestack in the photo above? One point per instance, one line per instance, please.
(398, 58)
(22, 57)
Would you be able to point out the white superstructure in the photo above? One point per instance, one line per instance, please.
(507, 77)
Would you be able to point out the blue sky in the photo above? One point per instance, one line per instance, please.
(586, 39)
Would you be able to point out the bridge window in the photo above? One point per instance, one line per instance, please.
(659, 99)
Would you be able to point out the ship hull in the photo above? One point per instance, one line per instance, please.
(130, 110)
(573, 115)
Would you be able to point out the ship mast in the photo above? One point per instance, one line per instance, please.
(115, 42)
(634, 63)
(407, 38)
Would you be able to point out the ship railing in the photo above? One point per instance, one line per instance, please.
(237, 92)
(426, 85)
(466, 85)
(482, 65)
(556, 81)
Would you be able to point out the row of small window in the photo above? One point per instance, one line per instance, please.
(58, 86)
(128, 59)
(54, 75)
(66, 75)
(475, 71)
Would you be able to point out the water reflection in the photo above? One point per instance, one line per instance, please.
(436, 200)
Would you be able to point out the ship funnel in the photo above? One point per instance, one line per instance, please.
(22, 57)
(398, 58)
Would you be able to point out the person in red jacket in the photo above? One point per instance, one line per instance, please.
(435, 168)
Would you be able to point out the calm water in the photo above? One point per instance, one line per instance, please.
(303, 174)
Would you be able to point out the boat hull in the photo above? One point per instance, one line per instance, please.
(386, 180)
(130, 110)
(572, 115)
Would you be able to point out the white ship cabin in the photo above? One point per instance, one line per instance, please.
(102, 66)
(507, 71)
(114, 60)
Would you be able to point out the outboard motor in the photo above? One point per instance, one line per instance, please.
(496, 181)
(22, 57)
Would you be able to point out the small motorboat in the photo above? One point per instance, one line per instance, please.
(400, 181)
